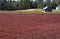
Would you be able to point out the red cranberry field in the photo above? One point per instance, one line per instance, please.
(20, 26)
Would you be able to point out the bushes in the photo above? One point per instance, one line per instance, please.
(51, 4)
(13, 6)
(26, 4)
(40, 6)
(8, 6)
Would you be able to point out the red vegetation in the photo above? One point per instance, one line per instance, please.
(30, 26)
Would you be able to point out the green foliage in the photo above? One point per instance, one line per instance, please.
(39, 4)
(47, 3)
(22, 4)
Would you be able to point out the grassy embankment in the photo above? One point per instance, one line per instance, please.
(29, 11)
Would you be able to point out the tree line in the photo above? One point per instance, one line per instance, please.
(23, 4)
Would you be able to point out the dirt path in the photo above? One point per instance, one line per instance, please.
(30, 26)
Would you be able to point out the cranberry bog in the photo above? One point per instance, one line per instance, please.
(33, 26)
